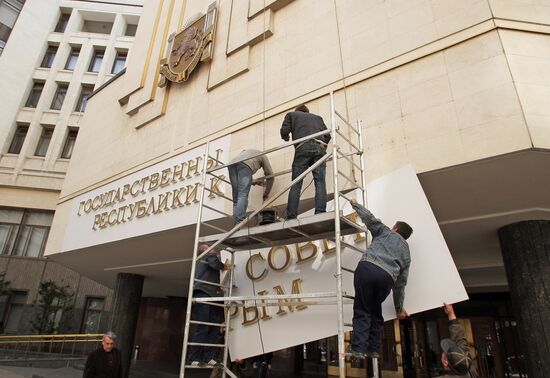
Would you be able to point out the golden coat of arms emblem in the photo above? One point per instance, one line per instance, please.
(187, 48)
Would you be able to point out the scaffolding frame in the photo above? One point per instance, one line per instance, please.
(222, 240)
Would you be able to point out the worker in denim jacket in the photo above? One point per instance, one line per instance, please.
(383, 267)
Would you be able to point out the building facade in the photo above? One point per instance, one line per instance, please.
(9, 11)
(459, 90)
(58, 52)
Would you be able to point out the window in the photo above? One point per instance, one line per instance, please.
(92, 315)
(85, 92)
(69, 143)
(59, 97)
(120, 62)
(130, 30)
(44, 141)
(32, 234)
(9, 226)
(15, 307)
(73, 57)
(97, 27)
(34, 96)
(62, 23)
(47, 62)
(24, 232)
(18, 139)
(97, 59)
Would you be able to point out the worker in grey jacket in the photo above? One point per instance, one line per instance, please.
(455, 357)
(383, 267)
(242, 167)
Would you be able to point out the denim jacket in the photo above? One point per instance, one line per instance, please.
(389, 251)
(208, 269)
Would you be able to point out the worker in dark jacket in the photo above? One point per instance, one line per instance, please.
(301, 123)
(104, 362)
(383, 267)
(208, 270)
(455, 357)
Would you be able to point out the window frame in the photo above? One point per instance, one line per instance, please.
(30, 103)
(74, 53)
(13, 146)
(9, 306)
(62, 22)
(81, 103)
(119, 54)
(60, 86)
(97, 52)
(39, 145)
(48, 59)
(18, 226)
(67, 153)
(87, 311)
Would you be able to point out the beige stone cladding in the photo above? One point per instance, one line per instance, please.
(436, 83)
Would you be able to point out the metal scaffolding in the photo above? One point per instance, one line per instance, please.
(332, 225)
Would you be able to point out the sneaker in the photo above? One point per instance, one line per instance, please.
(373, 355)
(358, 355)
(212, 362)
(195, 363)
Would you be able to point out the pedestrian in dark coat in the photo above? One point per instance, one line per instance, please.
(104, 362)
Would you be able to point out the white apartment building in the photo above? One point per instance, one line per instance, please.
(58, 52)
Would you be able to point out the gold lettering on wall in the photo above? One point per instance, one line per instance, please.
(312, 247)
(271, 258)
(106, 203)
(249, 267)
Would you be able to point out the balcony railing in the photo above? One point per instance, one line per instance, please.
(47, 347)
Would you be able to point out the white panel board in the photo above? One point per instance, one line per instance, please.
(433, 276)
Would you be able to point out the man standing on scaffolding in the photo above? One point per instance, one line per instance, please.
(383, 267)
(242, 167)
(301, 123)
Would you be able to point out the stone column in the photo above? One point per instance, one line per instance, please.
(127, 297)
(526, 253)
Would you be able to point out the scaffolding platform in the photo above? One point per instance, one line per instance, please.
(314, 227)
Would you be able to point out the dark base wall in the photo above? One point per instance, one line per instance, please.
(159, 332)
(25, 274)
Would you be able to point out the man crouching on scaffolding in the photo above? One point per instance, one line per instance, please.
(384, 265)
(240, 175)
(301, 123)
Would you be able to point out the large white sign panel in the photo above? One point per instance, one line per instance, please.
(433, 277)
(160, 197)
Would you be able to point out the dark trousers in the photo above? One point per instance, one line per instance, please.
(372, 286)
(304, 157)
(204, 333)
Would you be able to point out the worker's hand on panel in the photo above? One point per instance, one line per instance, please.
(402, 314)
(449, 310)
(228, 265)
(353, 201)
(260, 183)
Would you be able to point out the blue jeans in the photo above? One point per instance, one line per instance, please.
(304, 157)
(204, 333)
(372, 285)
(240, 176)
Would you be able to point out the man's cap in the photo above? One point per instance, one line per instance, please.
(459, 361)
